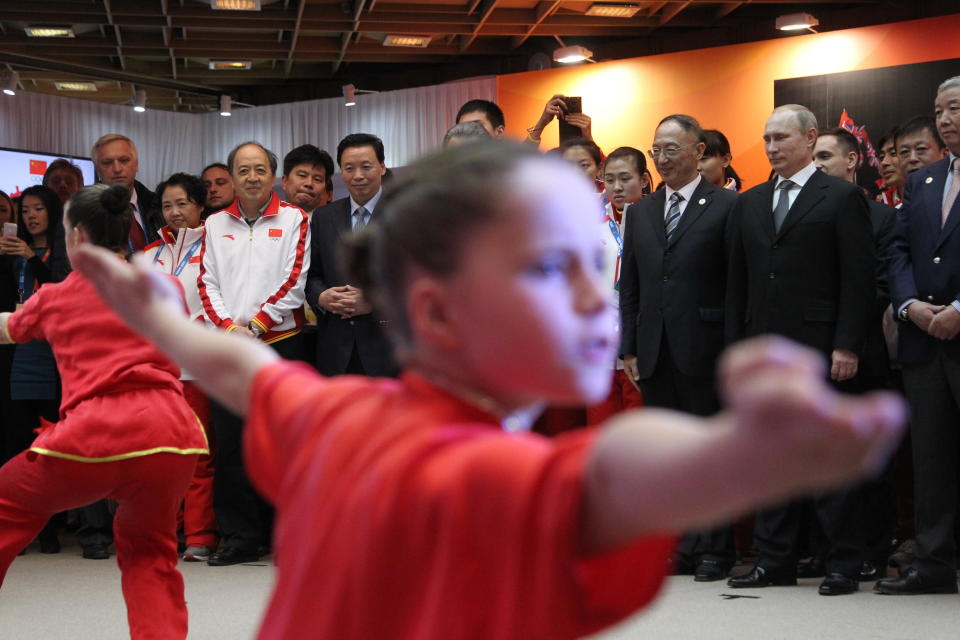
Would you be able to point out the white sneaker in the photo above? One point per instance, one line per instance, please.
(197, 554)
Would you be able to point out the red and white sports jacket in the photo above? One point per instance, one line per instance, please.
(256, 273)
(178, 254)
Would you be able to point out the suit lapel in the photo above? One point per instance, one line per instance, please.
(765, 193)
(933, 196)
(654, 215)
(343, 221)
(810, 195)
(699, 201)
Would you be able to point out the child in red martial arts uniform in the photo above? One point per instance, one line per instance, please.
(420, 508)
(125, 431)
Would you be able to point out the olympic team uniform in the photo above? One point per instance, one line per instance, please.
(177, 253)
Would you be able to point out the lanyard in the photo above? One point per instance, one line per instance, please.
(615, 230)
(183, 261)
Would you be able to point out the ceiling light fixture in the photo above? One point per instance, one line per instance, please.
(235, 5)
(225, 105)
(349, 95)
(574, 53)
(49, 32)
(796, 22)
(140, 101)
(612, 10)
(419, 42)
(230, 65)
(10, 81)
(75, 86)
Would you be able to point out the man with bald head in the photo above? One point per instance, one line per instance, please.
(803, 265)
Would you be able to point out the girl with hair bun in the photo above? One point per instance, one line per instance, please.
(125, 431)
(421, 508)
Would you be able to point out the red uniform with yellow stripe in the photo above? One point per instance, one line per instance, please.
(121, 396)
(256, 273)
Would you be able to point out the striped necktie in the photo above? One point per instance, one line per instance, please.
(673, 214)
(360, 218)
(951, 195)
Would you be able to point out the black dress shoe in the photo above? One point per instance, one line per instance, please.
(232, 555)
(49, 544)
(911, 582)
(761, 577)
(710, 571)
(96, 552)
(837, 584)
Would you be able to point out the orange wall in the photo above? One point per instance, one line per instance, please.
(727, 88)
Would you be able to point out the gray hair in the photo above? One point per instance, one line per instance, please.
(468, 130)
(805, 118)
(949, 83)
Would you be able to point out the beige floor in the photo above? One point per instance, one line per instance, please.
(63, 596)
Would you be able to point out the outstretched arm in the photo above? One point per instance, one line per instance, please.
(223, 365)
(785, 432)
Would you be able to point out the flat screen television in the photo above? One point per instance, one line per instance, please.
(20, 169)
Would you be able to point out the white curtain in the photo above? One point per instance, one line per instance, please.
(166, 141)
(411, 122)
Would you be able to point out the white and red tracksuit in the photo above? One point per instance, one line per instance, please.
(177, 253)
(256, 273)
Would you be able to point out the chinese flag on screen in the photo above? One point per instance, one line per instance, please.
(38, 167)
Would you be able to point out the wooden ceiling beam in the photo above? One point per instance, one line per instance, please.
(486, 9)
(542, 11)
(726, 9)
(671, 12)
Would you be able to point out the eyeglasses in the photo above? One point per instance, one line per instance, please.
(670, 152)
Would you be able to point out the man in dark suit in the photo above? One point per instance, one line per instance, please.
(803, 265)
(924, 281)
(837, 154)
(115, 157)
(350, 337)
(672, 283)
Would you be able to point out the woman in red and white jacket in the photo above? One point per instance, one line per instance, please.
(177, 252)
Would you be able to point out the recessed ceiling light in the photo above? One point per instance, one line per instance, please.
(75, 86)
(406, 41)
(49, 32)
(236, 65)
(796, 22)
(235, 5)
(575, 53)
(612, 10)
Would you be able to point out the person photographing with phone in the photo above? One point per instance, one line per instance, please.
(568, 110)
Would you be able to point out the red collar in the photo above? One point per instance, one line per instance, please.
(272, 208)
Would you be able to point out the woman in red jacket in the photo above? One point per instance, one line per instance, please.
(125, 431)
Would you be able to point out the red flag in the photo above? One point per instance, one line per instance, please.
(846, 122)
(38, 167)
(276, 233)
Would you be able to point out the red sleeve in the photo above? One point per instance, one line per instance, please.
(284, 400)
(531, 488)
(26, 324)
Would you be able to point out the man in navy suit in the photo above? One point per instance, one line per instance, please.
(350, 336)
(924, 286)
(672, 283)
